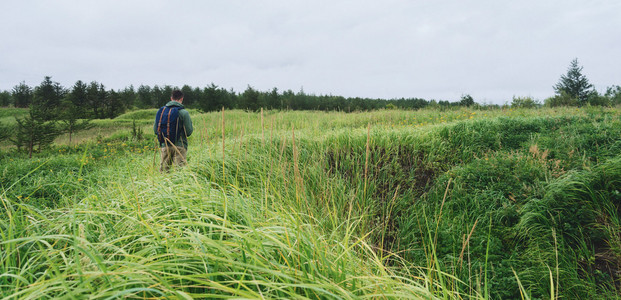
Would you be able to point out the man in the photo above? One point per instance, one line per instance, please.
(173, 126)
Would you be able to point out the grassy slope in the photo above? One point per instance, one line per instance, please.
(7, 115)
(289, 218)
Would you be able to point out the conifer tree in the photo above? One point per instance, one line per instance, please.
(575, 84)
(73, 110)
(46, 99)
(5, 98)
(113, 105)
(70, 118)
(128, 97)
(466, 100)
(143, 96)
(22, 95)
(33, 131)
(96, 95)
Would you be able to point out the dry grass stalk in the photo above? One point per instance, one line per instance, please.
(296, 169)
(366, 160)
(223, 153)
(466, 242)
(262, 128)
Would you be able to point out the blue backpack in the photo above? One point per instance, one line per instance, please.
(167, 119)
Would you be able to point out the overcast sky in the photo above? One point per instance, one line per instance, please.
(490, 49)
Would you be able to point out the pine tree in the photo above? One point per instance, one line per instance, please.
(22, 95)
(5, 98)
(34, 131)
(466, 100)
(575, 84)
(113, 106)
(250, 99)
(77, 100)
(144, 97)
(128, 97)
(189, 95)
(47, 99)
(70, 118)
(213, 98)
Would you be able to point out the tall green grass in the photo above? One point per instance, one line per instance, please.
(8, 115)
(387, 204)
(179, 235)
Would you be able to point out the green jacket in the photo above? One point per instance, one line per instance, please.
(184, 119)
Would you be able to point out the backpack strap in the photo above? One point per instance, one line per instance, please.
(168, 121)
(159, 123)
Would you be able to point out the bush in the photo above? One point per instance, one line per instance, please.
(524, 102)
(595, 99)
(613, 94)
(563, 99)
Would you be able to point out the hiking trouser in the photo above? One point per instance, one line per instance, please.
(172, 155)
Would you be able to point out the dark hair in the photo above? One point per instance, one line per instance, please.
(176, 95)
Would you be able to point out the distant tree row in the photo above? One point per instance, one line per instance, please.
(54, 110)
(85, 101)
(93, 101)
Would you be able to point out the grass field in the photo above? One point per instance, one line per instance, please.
(455, 204)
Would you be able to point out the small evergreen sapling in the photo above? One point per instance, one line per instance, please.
(32, 131)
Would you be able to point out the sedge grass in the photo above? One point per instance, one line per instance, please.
(181, 236)
(306, 213)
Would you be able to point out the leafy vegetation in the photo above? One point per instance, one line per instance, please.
(452, 204)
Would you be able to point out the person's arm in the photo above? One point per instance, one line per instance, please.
(155, 125)
(187, 122)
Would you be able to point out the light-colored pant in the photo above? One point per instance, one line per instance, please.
(172, 154)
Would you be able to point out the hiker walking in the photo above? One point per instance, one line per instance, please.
(173, 126)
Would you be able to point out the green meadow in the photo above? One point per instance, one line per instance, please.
(389, 204)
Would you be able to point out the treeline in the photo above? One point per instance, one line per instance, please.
(55, 110)
(51, 101)
(94, 101)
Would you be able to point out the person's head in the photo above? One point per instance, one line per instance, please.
(176, 95)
